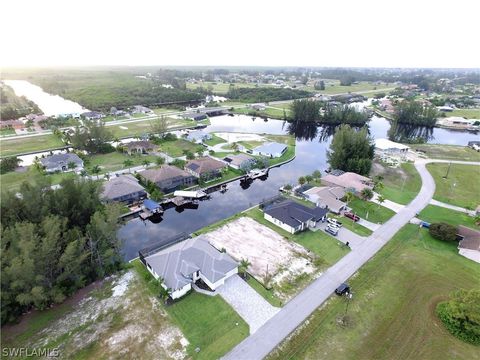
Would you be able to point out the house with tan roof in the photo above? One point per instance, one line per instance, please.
(205, 168)
(169, 178)
(327, 197)
(123, 188)
(349, 181)
(469, 245)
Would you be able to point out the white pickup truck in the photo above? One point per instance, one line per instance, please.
(334, 222)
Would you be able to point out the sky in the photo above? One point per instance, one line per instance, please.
(350, 33)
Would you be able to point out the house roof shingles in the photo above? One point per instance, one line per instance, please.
(471, 238)
(204, 165)
(294, 214)
(176, 263)
(165, 172)
(56, 160)
(120, 186)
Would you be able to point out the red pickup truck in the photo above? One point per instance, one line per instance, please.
(351, 215)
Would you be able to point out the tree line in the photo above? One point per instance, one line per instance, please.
(415, 113)
(265, 94)
(53, 243)
(306, 110)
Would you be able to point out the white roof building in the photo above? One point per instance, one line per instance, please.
(390, 146)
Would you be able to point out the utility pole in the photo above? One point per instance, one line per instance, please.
(349, 297)
(448, 170)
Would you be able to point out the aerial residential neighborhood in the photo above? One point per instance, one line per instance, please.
(186, 180)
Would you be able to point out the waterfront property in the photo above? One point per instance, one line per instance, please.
(183, 264)
(294, 217)
(62, 162)
(469, 245)
(327, 197)
(387, 147)
(169, 178)
(270, 149)
(123, 188)
(205, 168)
(139, 147)
(239, 161)
(92, 115)
(349, 181)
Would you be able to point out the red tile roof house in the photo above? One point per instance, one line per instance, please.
(12, 124)
(205, 168)
(349, 181)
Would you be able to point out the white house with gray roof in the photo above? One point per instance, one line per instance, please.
(182, 264)
(270, 149)
(62, 162)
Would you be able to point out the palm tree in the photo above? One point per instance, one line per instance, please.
(349, 196)
(244, 264)
(96, 170)
(159, 160)
(71, 165)
(380, 200)
(309, 178)
(379, 186)
(145, 163)
(301, 180)
(83, 173)
(128, 164)
(235, 146)
(366, 194)
(316, 174)
(368, 207)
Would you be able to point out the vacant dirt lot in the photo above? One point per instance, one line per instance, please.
(266, 250)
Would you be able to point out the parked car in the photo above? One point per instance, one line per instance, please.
(331, 230)
(334, 222)
(351, 215)
(342, 289)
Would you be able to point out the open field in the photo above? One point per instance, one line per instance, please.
(401, 185)
(448, 152)
(333, 87)
(219, 88)
(461, 188)
(434, 213)
(376, 213)
(114, 161)
(118, 317)
(29, 144)
(11, 181)
(214, 140)
(391, 315)
(7, 131)
(139, 128)
(465, 113)
(270, 112)
(177, 147)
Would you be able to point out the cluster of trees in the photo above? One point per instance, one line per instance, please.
(351, 150)
(319, 85)
(265, 94)
(461, 315)
(53, 243)
(415, 113)
(93, 137)
(306, 110)
(443, 231)
(13, 107)
(9, 164)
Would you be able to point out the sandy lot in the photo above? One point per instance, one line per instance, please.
(235, 137)
(245, 238)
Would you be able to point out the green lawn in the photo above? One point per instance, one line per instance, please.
(265, 293)
(434, 213)
(466, 113)
(208, 323)
(140, 128)
(461, 188)
(29, 144)
(352, 226)
(176, 147)
(401, 185)
(391, 315)
(11, 181)
(226, 175)
(215, 140)
(270, 112)
(323, 245)
(7, 131)
(376, 214)
(114, 161)
(363, 86)
(448, 152)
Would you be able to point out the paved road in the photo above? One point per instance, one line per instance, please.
(260, 344)
(452, 207)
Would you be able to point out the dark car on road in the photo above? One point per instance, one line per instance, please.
(342, 289)
(352, 216)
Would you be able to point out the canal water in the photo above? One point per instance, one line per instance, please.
(312, 144)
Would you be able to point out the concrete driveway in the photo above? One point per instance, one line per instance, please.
(343, 235)
(253, 308)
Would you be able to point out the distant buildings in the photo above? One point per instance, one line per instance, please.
(62, 162)
(169, 178)
(123, 188)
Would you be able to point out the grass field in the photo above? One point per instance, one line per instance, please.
(465, 113)
(208, 323)
(219, 88)
(270, 112)
(461, 188)
(139, 128)
(29, 144)
(401, 185)
(215, 140)
(7, 131)
(371, 88)
(176, 147)
(448, 152)
(376, 214)
(434, 213)
(11, 181)
(267, 294)
(391, 315)
(114, 161)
